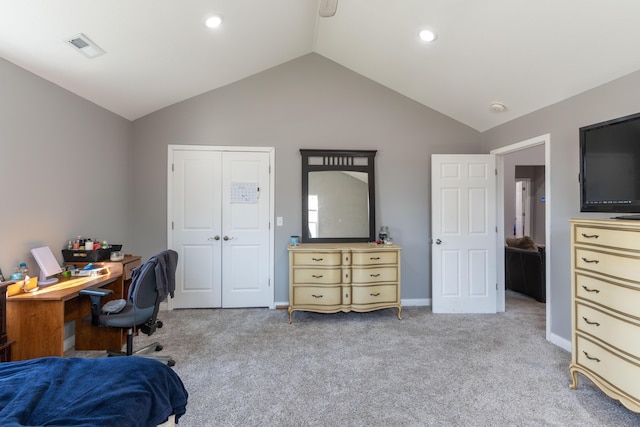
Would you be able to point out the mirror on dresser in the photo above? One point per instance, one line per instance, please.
(338, 196)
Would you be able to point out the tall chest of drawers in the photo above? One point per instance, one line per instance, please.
(328, 277)
(605, 307)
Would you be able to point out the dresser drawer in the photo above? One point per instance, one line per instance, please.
(622, 239)
(624, 267)
(375, 257)
(327, 259)
(616, 370)
(374, 294)
(616, 297)
(317, 295)
(374, 275)
(329, 276)
(614, 331)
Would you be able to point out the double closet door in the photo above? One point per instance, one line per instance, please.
(219, 214)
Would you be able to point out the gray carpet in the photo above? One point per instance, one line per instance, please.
(249, 367)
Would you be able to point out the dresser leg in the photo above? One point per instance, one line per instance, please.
(399, 312)
(574, 378)
(290, 314)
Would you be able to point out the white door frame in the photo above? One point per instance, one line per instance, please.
(500, 152)
(271, 150)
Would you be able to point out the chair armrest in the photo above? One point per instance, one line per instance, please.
(99, 292)
(96, 295)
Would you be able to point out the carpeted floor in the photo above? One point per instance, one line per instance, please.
(249, 367)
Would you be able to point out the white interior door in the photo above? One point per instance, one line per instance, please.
(463, 192)
(245, 224)
(195, 228)
(220, 209)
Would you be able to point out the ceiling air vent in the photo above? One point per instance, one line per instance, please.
(82, 44)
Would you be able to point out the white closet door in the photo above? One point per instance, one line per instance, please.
(220, 209)
(196, 228)
(245, 225)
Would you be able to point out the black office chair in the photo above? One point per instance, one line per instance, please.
(151, 283)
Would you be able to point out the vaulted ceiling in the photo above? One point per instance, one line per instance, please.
(524, 54)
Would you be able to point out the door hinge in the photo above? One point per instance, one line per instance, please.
(172, 167)
(496, 172)
(269, 282)
(172, 225)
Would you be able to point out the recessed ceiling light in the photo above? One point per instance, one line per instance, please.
(213, 22)
(427, 35)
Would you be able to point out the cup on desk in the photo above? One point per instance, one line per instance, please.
(294, 240)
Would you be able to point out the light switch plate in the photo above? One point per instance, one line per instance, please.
(279, 221)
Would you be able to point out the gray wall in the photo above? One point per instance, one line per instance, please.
(66, 169)
(68, 165)
(310, 102)
(561, 121)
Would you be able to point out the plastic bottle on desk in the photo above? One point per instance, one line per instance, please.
(23, 269)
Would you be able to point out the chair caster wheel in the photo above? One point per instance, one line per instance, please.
(171, 362)
(159, 347)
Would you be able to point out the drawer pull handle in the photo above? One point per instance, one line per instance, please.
(590, 261)
(317, 276)
(597, 291)
(375, 275)
(590, 236)
(591, 357)
(375, 295)
(317, 259)
(590, 322)
(346, 259)
(375, 258)
(317, 296)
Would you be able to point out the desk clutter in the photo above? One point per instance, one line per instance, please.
(91, 250)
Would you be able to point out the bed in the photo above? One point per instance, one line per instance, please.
(112, 391)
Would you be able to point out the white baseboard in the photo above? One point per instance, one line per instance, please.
(69, 342)
(416, 302)
(563, 343)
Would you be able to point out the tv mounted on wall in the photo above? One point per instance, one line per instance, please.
(610, 166)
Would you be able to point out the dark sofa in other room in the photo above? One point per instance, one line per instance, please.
(525, 271)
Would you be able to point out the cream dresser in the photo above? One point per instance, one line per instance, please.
(605, 307)
(332, 277)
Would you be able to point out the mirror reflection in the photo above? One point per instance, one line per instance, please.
(338, 204)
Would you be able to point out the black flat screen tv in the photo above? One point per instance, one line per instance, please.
(610, 166)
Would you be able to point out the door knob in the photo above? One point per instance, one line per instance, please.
(225, 238)
(438, 241)
(214, 238)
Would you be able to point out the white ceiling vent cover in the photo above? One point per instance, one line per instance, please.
(82, 44)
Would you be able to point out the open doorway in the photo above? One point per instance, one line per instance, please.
(504, 229)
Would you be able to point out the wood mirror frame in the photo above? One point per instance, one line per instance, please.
(341, 184)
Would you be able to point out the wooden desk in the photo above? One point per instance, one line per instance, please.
(35, 321)
(5, 344)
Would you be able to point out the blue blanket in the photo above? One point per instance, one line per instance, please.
(113, 391)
